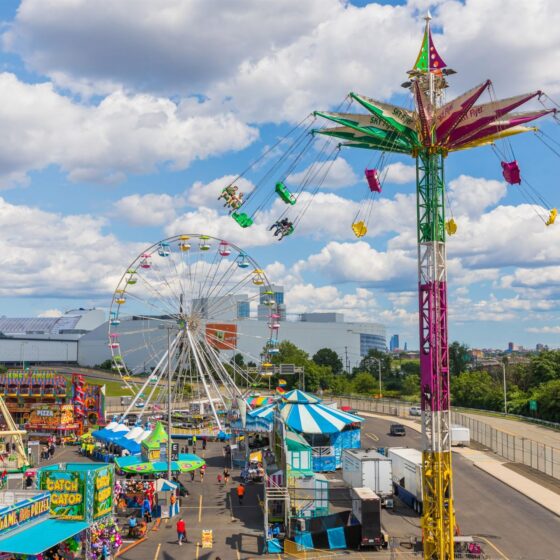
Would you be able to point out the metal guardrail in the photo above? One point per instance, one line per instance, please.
(539, 456)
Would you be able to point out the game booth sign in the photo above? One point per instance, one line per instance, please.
(69, 517)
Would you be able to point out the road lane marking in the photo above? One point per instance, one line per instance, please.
(157, 551)
(237, 550)
(373, 437)
(200, 508)
(197, 550)
(495, 548)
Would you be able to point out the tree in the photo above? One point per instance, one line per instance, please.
(477, 389)
(458, 358)
(107, 365)
(328, 357)
(370, 363)
(289, 353)
(364, 382)
(238, 360)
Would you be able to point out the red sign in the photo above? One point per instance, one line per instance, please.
(222, 336)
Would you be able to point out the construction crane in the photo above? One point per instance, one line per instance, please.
(428, 133)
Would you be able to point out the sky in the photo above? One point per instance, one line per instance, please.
(122, 121)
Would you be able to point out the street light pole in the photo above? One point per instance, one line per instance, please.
(505, 387)
(168, 405)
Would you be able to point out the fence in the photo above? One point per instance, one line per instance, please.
(539, 456)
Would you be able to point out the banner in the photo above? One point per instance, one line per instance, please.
(222, 336)
(103, 492)
(16, 515)
(67, 493)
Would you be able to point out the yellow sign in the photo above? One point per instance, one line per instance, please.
(19, 515)
(207, 538)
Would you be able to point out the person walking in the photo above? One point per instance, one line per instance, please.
(202, 474)
(204, 443)
(240, 493)
(181, 532)
(192, 476)
(219, 478)
(194, 443)
(226, 476)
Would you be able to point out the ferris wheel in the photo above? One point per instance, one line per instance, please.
(184, 310)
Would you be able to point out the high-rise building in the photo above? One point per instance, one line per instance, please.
(394, 343)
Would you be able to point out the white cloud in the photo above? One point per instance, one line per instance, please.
(471, 196)
(46, 254)
(51, 313)
(146, 210)
(170, 46)
(123, 134)
(399, 173)
(340, 175)
(223, 56)
(359, 262)
(544, 330)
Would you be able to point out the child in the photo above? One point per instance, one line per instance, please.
(219, 478)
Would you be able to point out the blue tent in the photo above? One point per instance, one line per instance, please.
(264, 412)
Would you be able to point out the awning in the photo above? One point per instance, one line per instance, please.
(34, 539)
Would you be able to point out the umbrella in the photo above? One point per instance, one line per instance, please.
(163, 485)
(297, 396)
(136, 464)
(316, 418)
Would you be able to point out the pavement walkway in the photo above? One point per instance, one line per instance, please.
(496, 467)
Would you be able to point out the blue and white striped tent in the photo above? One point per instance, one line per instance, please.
(297, 396)
(264, 412)
(315, 418)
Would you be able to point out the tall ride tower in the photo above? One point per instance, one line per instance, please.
(428, 134)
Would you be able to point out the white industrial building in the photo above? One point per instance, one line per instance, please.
(46, 339)
(311, 332)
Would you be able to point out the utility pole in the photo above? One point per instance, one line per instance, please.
(504, 362)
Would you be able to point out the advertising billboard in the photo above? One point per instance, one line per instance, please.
(222, 336)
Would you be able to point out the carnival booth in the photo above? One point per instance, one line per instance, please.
(69, 516)
(326, 429)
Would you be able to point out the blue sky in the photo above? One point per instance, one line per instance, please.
(121, 122)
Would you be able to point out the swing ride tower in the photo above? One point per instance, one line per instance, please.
(428, 134)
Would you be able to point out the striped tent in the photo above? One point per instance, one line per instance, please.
(116, 434)
(315, 418)
(297, 396)
(264, 412)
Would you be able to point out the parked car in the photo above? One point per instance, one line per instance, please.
(397, 430)
(415, 411)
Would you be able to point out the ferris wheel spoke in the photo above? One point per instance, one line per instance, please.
(154, 289)
(203, 379)
(220, 297)
(171, 303)
(210, 368)
(222, 372)
(224, 278)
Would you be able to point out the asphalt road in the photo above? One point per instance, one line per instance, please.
(515, 527)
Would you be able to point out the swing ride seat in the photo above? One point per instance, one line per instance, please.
(511, 172)
(242, 219)
(451, 227)
(359, 229)
(283, 192)
(552, 217)
(372, 177)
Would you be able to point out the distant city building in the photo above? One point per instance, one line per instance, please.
(223, 308)
(394, 343)
(511, 347)
(541, 347)
(406, 346)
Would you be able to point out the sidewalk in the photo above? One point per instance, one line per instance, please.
(495, 467)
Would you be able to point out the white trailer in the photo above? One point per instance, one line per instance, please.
(460, 436)
(407, 475)
(370, 469)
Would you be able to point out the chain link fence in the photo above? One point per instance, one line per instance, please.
(539, 456)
